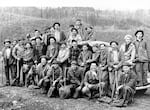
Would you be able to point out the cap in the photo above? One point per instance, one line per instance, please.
(128, 36)
(7, 40)
(74, 62)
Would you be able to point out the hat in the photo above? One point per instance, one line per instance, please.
(7, 40)
(44, 56)
(139, 31)
(38, 38)
(128, 36)
(74, 62)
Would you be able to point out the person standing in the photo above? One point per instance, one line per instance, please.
(58, 34)
(8, 61)
(142, 58)
(113, 61)
(18, 53)
(127, 50)
(79, 26)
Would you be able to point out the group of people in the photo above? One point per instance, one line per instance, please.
(61, 66)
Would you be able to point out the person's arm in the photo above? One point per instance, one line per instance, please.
(86, 78)
(48, 53)
(147, 50)
(14, 51)
(56, 53)
(63, 36)
(66, 56)
(132, 80)
(133, 53)
(93, 59)
(80, 62)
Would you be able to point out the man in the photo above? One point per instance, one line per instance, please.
(74, 52)
(18, 54)
(127, 50)
(113, 61)
(84, 56)
(142, 58)
(58, 34)
(40, 49)
(95, 55)
(42, 70)
(55, 76)
(8, 61)
(28, 61)
(74, 82)
(63, 55)
(95, 82)
(89, 34)
(52, 50)
(79, 26)
(126, 89)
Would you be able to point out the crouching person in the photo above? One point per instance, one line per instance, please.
(126, 87)
(92, 82)
(74, 82)
(43, 69)
(55, 75)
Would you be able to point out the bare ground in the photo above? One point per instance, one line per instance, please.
(16, 98)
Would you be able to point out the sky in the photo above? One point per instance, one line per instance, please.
(130, 5)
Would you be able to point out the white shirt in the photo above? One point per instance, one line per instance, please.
(8, 51)
(57, 36)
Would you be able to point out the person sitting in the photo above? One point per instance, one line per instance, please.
(40, 49)
(74, 36)
(126, 86)
(63, 55)
(84, 56)
(95, 55)
(52, 50)
(74, 52)
(89, 34)
(74, 82)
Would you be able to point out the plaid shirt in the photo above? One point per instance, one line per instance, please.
(74, 54)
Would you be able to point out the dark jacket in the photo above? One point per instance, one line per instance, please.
(128, 79)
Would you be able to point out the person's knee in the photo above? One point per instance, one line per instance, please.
(85, 90)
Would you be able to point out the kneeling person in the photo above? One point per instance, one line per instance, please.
(55, 75)
(126, 89)
(92, 81)
(74, 82)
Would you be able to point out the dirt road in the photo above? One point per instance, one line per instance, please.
(16, 98)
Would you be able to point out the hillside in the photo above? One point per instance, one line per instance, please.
(108, 25)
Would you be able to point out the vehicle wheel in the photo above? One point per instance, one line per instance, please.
(142, 91)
